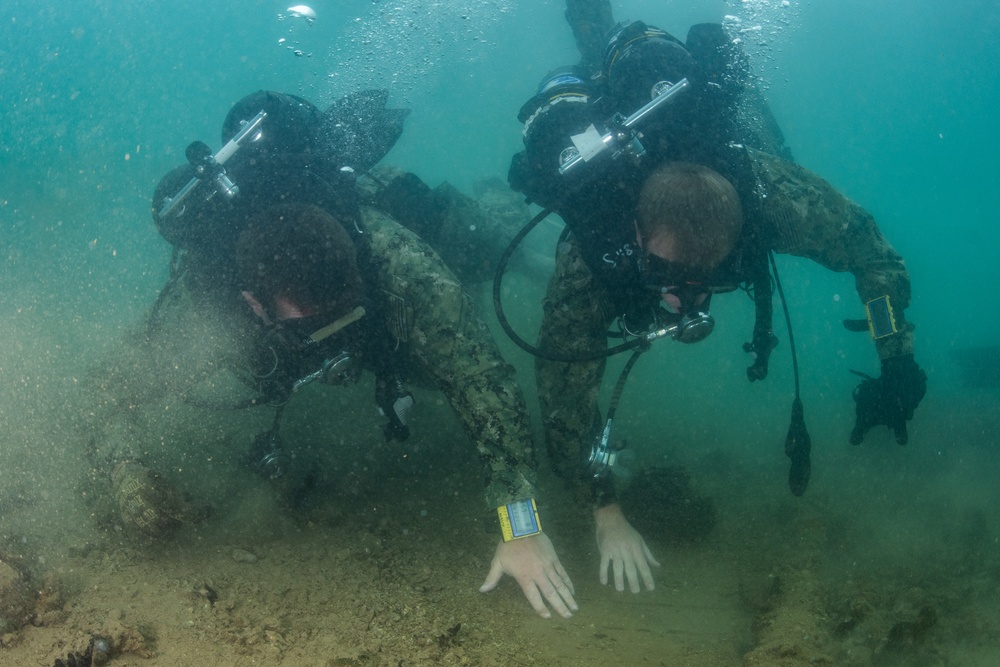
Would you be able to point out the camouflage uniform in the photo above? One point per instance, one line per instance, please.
(798, 213)
(429, 314)
(448, 340)
(803, 215)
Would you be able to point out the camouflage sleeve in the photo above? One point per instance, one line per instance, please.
(576, 315)
(806, 216)
(451, 343)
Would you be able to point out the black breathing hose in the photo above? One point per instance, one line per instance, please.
(798, 443)
(509, 330)
(788, 323)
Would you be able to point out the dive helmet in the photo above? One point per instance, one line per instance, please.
(637, 58)
(290, 124)
(564, 105)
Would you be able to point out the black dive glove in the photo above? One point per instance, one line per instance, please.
(889, 399)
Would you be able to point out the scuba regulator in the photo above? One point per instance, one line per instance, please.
(289, 358)
(294, 353)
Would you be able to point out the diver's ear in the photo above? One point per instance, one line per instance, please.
(256, 306)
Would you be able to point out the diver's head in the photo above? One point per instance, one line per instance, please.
(300, 270)
(690, 215)
(688, 221)
(298, 261)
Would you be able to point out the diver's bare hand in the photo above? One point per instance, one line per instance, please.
(623, 549)
(533, 563)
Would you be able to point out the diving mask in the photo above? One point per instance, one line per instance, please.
(687, 295)
(297, 352)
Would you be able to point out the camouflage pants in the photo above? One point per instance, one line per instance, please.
(577, 313)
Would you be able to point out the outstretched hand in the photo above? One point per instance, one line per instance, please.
(533, 563)
(623, 550)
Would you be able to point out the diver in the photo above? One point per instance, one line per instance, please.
(667, 204)
(286, 274)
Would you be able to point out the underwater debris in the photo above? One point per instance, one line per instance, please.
(97, 654)
(17, 595)
(911, 633)
(793, 631)
(205, 591)
(449, 637)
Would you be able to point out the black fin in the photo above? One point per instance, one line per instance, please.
(358, 130)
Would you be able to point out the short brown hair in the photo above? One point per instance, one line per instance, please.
(300, 251)
(697, 207)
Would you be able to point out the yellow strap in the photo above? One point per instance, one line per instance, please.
(519, 519)
(886, 325)
(333, 328)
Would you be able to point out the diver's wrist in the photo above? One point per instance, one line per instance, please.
(519, 519)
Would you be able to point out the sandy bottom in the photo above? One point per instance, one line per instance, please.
(387, 573)
(891, 559)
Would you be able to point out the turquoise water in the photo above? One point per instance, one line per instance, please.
(894, 102)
